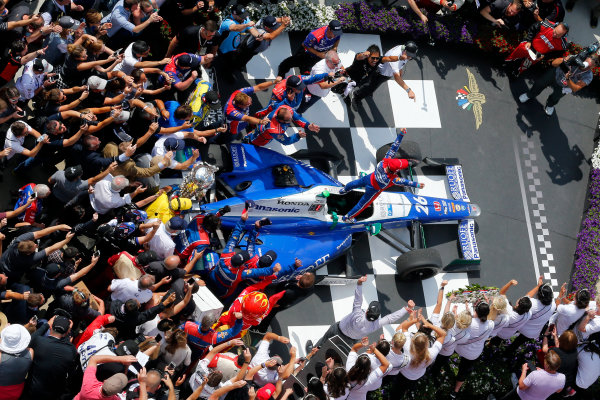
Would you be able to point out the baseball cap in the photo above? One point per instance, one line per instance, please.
(374, 311)
(212, 99)
(67, 22)
(176, 224)
(14, 339)
(40, 65)
(295, 82)
(335, 26)
(61, 324)
(127, 348)
(96, 83)
(239, 10)
(270, 22)
(188, 61)
(411, 49)
(52, 269)
(240, 258)
(115, 384)
(124, 116)
(73, 172)
(267, 259)
(265, 392)
(172, 144)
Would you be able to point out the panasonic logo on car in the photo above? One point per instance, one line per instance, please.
(276, 209)
(468, 243)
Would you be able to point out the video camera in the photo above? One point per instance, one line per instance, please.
(579, 59)
(338, 74)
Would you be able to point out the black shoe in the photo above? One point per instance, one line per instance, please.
(308, 346)
(570, 4)
(264, 222)
(224, 210)
(593, 20)
(348, 99)
(355, 102)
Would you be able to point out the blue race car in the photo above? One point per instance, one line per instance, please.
(305, 209)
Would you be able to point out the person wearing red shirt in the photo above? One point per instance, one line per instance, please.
(279, 122)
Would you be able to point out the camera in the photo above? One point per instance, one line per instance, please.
(579, 59)
(50, 79)
(88, 122)
(338, 74)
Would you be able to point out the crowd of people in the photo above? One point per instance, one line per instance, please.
(97, 290)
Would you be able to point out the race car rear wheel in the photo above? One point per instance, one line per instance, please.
(408, 149)
(418, 264)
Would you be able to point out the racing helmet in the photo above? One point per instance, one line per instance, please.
(136, 216)
(180, 204)
(255, 305)
(124, 229)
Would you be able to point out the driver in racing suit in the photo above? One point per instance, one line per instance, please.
(279, 121)
(232, 269)
(253, 304)
(383, 178)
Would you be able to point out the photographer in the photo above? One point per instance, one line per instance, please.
(331, 63)
(570, 75)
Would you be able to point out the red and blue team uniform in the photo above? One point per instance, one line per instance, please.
(319, 41)
(225, 278)
(202, 340)
(376, 182)
(34, 210)
(275, 129)
(279, 95)
(194, 237)
(540, 35)
(252, 263)
(249, 320)
(234, 114)
(175, 73)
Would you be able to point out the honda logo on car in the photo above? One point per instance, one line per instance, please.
(437, 206)
(292, 203)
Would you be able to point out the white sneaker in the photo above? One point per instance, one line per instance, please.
(523, 98)
(549, 110)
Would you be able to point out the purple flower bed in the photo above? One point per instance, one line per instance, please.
(364, 17)
(587, 254)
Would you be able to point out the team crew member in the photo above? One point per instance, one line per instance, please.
(385, 71)
(238, 107)
(230, 271)
(196, 236)
(199, 39)
(383, 178)
(202, 336)
(230, 30)
(359, 323)
(279, 122)
(545, 38)
(290, 92)
(183, 69)
(314, 48)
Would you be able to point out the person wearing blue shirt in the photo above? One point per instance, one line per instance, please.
(231, 31)
(313, 49)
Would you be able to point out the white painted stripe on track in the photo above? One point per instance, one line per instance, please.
(299, 335)
(526, 209)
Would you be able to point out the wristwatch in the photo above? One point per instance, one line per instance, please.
(408, 90)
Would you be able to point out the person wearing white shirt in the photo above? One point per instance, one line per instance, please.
(331, 63)
(385, 71)
(106, 194)
(269, 373)
(214, 377)
(588, 356)
(517, 316)
(15, 137)
(125, 289)
(33, 80)
(336, 386)
(542, 308)
(480, 330)
(132, 59)
(360, 377)
(498, 313)
(566, 312)
(162, 243)
(98, 344)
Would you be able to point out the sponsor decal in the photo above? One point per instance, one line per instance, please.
(276, 209)
(456, 182)
(292, 203)
(344, 243)
(453, 209)
(389, 210)
(437, 206)
(238, 156)
(468, 242)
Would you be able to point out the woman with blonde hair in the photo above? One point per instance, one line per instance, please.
(174, 349)
(498, 313)
(456, 327)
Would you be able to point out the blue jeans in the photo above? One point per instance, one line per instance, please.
(370, 194)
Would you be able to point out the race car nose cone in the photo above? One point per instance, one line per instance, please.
(475, 211)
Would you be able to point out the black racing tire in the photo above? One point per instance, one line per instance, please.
(408, 149)
(418, 264)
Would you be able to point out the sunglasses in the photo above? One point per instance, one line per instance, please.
(375, 58)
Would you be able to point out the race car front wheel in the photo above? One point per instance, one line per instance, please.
(418, 264)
